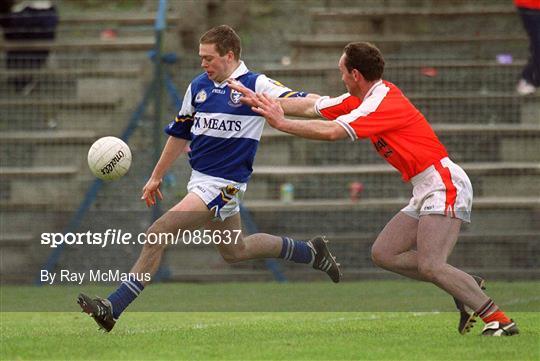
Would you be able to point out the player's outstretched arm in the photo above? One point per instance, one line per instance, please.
(272, 110)
(296, 107)
(173, 148)
(300, 107)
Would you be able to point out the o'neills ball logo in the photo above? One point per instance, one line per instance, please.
(113, 162)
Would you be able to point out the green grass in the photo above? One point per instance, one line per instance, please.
(422, 331)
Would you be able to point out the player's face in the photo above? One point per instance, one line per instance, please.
(217, 67)
(346, 76)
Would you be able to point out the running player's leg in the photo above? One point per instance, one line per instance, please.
(437, 235)
(393, 248)
(263, 245)
(188, 214)
(260, 245)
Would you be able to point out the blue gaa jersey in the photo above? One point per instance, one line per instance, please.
(224, 133)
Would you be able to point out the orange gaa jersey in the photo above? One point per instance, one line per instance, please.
(399, 132)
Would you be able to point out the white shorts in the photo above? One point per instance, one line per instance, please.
(220, 195)
(442, 188)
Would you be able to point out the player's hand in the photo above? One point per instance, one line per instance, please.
(270, 109)
(150, 190)
(249, 96)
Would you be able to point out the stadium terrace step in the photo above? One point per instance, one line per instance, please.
(16, 240)
(521, 249)
(350, 274)
(102, 121)
(367, 273)
(351, 237)
(40, 185)
(418, 76)
(346, 204)
(44, 148)
(17, 259)
(59, 103)
(112, 27)
(490, 107)
(490, 215)
(82, 45)
(415, 21)
(315, 48)
(465, 143)
(48, 137)
(66, 83)
(55, 73)
(40, 114)
(339, 170)
(382, 181)
(415, 4)
(39, 172)
(119, 20)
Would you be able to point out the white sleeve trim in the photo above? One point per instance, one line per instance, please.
(264, 84)
(187, 108)
(327, 102)
(317, 105)
(368, 106)
(350, 131)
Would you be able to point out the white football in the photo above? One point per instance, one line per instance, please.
(109, 158)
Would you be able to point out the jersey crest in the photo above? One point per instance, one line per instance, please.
(201, 96)
(234, 100)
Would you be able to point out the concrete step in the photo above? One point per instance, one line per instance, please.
(45, 148)
(134, 44)
(464, 142)
(306, 274)
(478, 107)
(47, 114)
(20, 258)
(415, 4)
(372, 273)
(83, 89)
(508, 214)
(58, 103)
(124, 25)
(418, 76)
(73, 52)
(488, 20)
(70, 119)
(36, 172)
(335, 182)
(353, 251)
(82, 83)
(48, 137)
(41, 185)
(104, 19)
(73, 73)
(521, 249)
(330, 47)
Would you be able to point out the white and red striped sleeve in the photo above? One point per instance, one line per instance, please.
(331, 108)
(378, 113)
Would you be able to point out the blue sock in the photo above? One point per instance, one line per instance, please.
(124, 295)
(296, 251)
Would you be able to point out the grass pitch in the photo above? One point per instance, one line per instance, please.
(392, 320)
